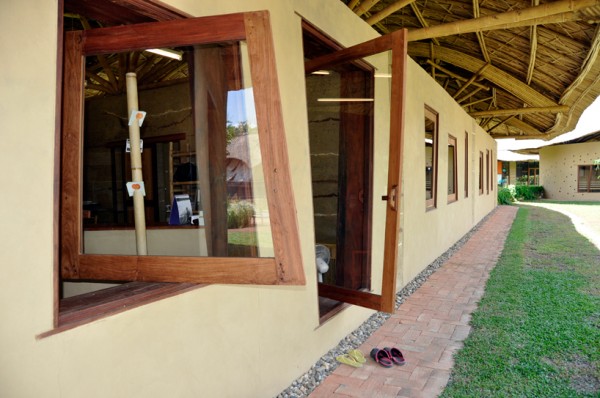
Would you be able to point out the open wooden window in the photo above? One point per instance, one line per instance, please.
(355, 105)
(226, 74)
(452, 171)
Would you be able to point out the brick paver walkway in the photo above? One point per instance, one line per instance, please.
(429, 326)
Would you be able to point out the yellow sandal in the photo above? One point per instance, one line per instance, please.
(357, 356)
(348, 360)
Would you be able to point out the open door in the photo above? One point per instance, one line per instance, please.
(355, 109)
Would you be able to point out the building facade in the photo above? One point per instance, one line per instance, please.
(240, 333)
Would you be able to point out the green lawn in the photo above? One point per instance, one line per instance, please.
(536, 332)
(244, 238)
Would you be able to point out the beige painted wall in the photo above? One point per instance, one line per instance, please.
(558, 170)
(217, 341)
(427, 234)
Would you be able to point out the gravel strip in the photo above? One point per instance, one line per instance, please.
(305, 384)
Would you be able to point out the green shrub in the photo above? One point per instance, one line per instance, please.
(527, 180)
(239, 213)
(529, 192)
(505, 196)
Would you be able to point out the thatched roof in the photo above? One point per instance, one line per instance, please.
(522, 68)
(525, 69)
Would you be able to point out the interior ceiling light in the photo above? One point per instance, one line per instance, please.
(321, 72)
(345, 100)
(167, 52)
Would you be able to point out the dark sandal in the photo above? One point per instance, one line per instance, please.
(382, 357)
(395, 355)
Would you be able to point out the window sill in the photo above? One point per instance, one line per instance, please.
(85, 308)
(132, 227)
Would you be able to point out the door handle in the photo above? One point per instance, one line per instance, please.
(392, 197)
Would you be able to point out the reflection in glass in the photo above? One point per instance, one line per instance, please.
(343, 141)
(201, 159)
(430, 155)
(451, 166)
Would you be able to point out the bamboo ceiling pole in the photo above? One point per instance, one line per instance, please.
(471, 80)
(392, 8)
(521, 111)
(136, 166)
(352, 4)
(365, 6)
(497, 21)
(457, 76)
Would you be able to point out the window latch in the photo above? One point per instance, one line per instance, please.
(392, 197)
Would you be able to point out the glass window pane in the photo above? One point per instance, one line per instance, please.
(582, 180)
(430, 156)
(345, 133)
(451, 166)
(595, 180)
(201, 161)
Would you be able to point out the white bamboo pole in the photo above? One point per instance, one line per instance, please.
(136, 166)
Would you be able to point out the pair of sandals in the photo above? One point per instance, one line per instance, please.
(388, 357)
(353, 358)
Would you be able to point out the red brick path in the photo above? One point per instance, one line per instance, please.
(429, 326)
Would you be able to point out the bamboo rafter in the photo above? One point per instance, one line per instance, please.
(101, 58)
(480, 38)
(467, 96)
(422, 20)
(494, 127)
(520, 111)
(392, 8)
(455, 75)
(493, 74)
(524, 127)
(352, 4)
(534, 43)
(471, 80)
(365, 6)
(511, 19)
(479, 101)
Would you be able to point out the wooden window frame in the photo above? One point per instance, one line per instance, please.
(492, 172)
(590, 175)
(481, 175)
(466, 164)
(355, 174)
(285, 268)
(487, 172)
(396, 43)
(431, 204)
(453, 197)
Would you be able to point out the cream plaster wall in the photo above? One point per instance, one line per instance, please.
(428, 233)
(558, 170)
(216, 341)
